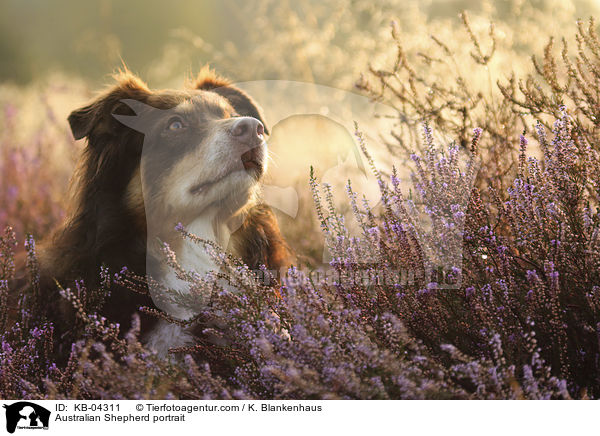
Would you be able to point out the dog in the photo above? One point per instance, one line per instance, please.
(152, 159)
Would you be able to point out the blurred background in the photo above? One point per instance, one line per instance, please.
(55, 55)
(327, 42)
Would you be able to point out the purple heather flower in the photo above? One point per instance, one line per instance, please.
(470, 291)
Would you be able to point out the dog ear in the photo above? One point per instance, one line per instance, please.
(81, 120)
(85, 120)
(245, 105)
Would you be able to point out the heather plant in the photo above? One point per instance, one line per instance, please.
(101, 363)
(572, 81)
(350, 338)
(526, 269)
(485, 94)
(521, 323)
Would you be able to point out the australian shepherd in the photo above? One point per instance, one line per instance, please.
(153, 159)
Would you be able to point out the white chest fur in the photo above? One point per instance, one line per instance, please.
(191, 256)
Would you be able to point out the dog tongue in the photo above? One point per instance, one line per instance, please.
(250, 164)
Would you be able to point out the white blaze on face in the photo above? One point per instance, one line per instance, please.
(211, 174)
(203, 190)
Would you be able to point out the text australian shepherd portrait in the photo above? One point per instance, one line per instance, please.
(153, 159)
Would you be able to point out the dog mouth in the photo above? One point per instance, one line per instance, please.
(251, 162)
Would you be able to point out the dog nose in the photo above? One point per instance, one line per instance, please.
(248, 129)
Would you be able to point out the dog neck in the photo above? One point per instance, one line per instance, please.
(191, 256)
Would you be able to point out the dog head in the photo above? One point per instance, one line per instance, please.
(176, 154)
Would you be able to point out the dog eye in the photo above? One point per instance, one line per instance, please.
(175, 124)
